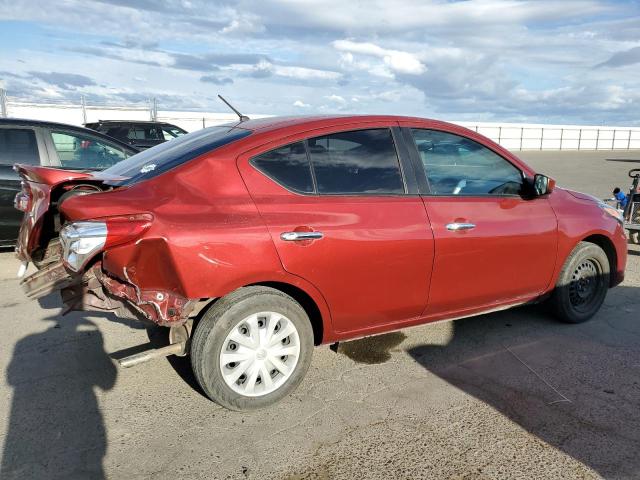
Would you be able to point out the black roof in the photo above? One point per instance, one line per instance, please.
(24, 122)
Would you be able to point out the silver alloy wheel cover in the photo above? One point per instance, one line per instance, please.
(259, 354)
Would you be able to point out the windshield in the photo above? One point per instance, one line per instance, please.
(163, 157)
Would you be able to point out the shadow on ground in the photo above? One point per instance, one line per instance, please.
(548, 377)
(55, 428)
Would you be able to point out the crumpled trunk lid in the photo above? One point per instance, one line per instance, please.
(40, 182)
(44, 186)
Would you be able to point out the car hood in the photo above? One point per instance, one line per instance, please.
(582, 196)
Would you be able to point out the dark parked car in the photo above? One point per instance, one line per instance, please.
(140, 134)
(257, 240)
(48, 144)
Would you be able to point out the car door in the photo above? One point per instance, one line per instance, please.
(18, 144)
(342, 216)
(494, 244)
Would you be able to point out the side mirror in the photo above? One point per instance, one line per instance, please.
(542, 185)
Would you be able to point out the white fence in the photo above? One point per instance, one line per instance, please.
(510, 135)
(558, 137)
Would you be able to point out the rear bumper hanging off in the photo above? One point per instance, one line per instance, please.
(94, 290)
(51, 278)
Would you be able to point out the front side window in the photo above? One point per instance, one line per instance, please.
(356, 162)
(288, 166)
(18, 145)
(457, 165)
(79, 151)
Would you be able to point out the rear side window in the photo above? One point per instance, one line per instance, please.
(80, 151)
(356, 162)
(18, 145)
(165, 156)
(288, 166)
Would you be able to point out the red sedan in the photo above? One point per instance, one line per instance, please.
(256, 241)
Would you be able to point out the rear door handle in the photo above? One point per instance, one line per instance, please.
(298, 236)
(454, 227)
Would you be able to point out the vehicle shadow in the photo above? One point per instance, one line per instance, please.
(55, 427)
(576, 387)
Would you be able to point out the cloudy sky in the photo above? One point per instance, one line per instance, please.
(548, 61)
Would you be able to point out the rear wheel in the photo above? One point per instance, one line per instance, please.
(582, 285)
(252, 348)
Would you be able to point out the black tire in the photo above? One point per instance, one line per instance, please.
(582, 285)
(226, 314)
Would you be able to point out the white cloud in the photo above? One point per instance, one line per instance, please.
(384, 16)
(301, 104)
(336, 98)
(396, 60)
(243, 24)
(305, 73)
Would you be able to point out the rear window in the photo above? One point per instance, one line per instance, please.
(165, 156)
(357, 162)
(18, 145)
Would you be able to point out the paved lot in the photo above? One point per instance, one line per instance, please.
(507, 395)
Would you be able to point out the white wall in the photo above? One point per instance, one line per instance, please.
(513, 136)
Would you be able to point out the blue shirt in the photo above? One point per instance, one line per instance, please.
(622, 199)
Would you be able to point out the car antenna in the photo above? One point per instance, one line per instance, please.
(243, 118)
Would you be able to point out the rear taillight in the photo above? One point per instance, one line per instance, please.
(81, 241)
(125, 228)
(22, 200)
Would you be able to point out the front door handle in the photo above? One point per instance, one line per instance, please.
(298, 236)
(454, 227)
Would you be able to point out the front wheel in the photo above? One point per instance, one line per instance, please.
(582, 285)
(252, 348)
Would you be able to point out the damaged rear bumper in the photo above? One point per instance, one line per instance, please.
(51, 278)
(94, 290)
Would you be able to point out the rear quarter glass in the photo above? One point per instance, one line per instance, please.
(168, 155)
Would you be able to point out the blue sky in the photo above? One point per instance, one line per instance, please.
(544, 61)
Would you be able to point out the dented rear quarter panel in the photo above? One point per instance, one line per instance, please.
(206, 240)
